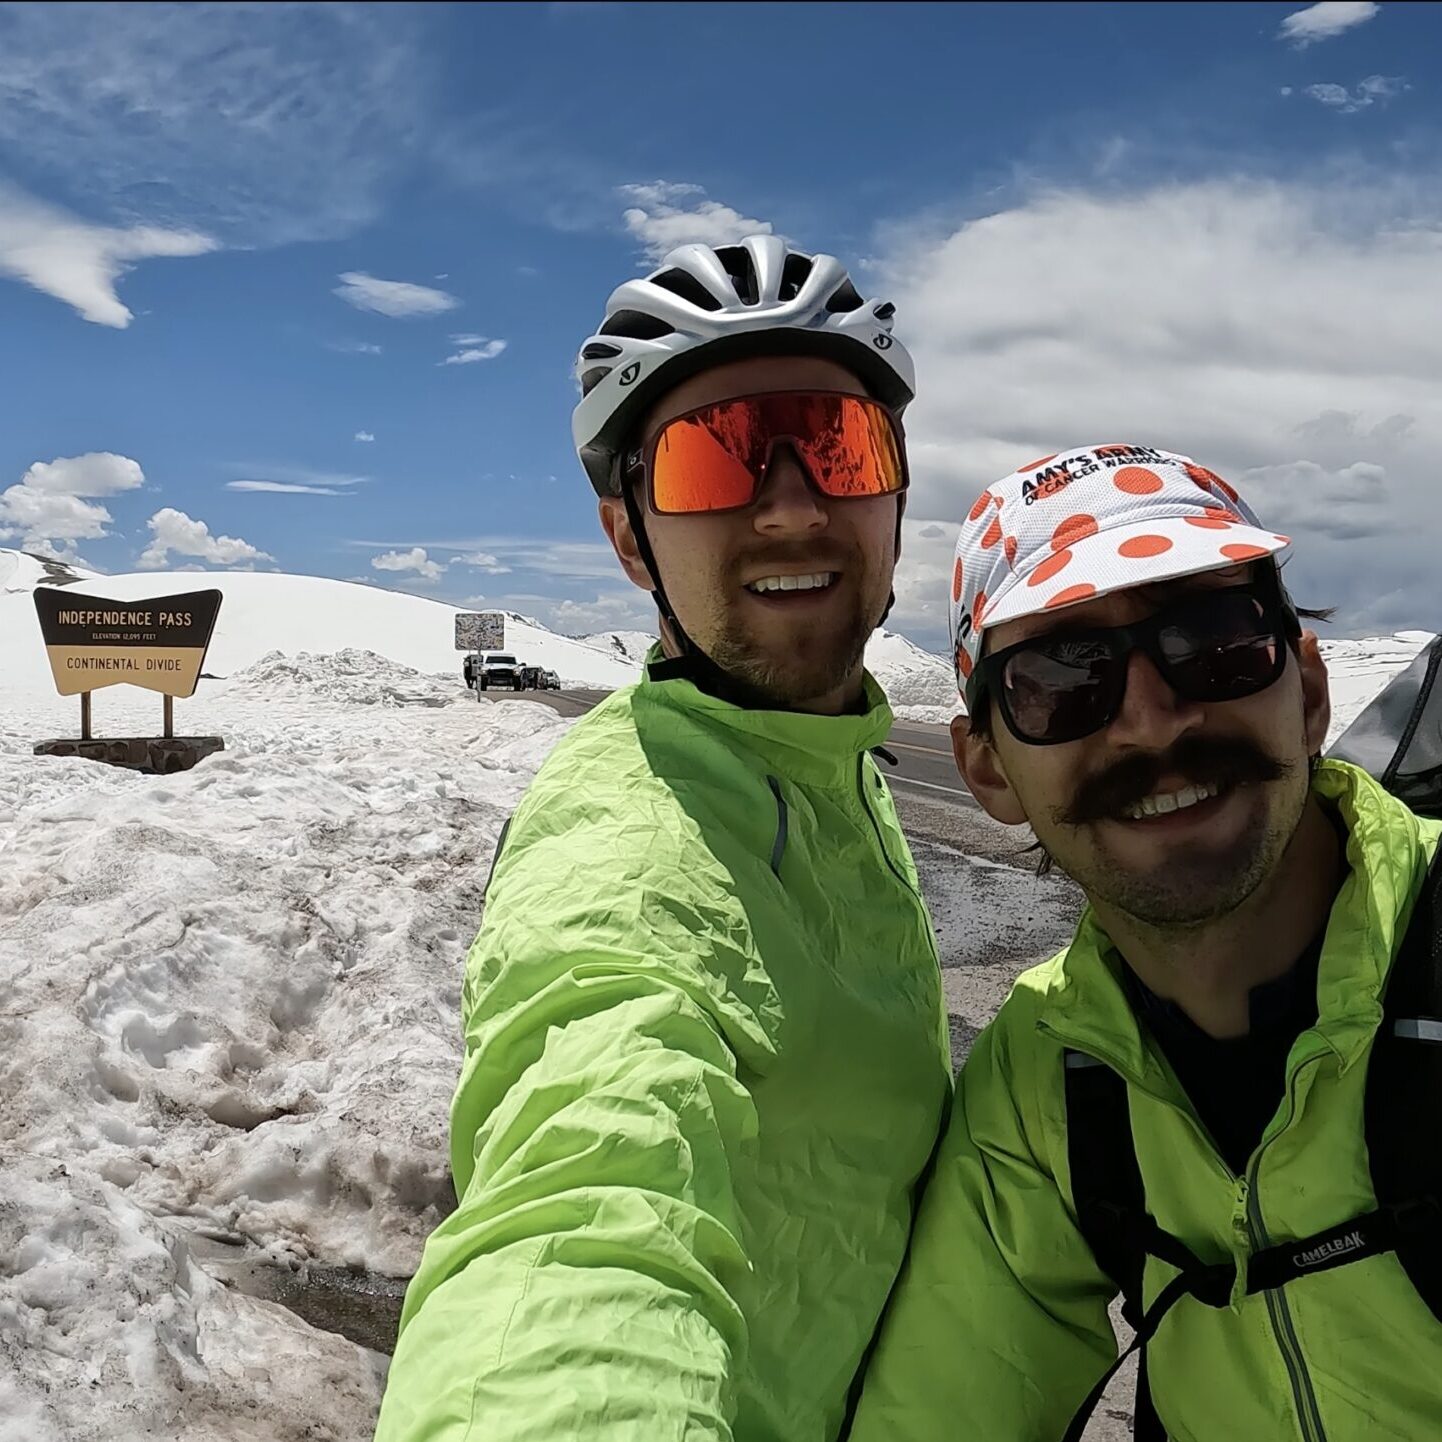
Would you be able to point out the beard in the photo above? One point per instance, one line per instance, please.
(816, 666)
(781, 666)
(1196, 885)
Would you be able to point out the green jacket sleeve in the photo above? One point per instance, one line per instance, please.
(592, 1283)
(998, 1327)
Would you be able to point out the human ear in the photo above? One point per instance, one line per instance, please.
(622, 536)
(1316, 693)
(984, 772)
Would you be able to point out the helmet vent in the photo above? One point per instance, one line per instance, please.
(884, 311)
(593, 378)
(600, 350)
(844, 298)
(679, 282)
(793, 275)
(737, 261)
(636, 325)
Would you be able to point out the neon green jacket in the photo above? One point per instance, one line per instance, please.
(705, 1064)
(999, 1327)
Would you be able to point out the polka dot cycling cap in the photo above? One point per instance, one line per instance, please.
(1082, 523)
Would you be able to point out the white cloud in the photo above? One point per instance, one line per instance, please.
(354, 347)
(563, 560)
(413, 560)
(1323, 21)
(482, 561)
(398, 299)
(259, 124)
(1189, 316)
(923, 576)
(630, 610)
(173, 530)
(1366, 93)
(285, 488)
(46, 508)
(78, 262)
(96, 473)
(666, 214)
(474, 348)
(365, 436)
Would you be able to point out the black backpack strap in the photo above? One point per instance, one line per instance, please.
(1404, 1096)
(1111, 1206)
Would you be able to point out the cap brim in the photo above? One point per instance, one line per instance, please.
(1138, 554)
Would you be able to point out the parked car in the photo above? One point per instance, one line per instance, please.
(498, 670)
(550, 681)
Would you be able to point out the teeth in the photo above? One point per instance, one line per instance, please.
(792, 583)
(1171, 801)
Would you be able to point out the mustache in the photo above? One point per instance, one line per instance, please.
(818, 555)
(1220, 761)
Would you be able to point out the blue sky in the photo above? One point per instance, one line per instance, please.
(1209, 227)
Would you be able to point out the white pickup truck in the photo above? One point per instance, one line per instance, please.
(493, 670)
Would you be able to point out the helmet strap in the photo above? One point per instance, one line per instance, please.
(692, 663)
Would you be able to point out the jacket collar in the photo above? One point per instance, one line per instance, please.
(1388, 852)
(818, 750)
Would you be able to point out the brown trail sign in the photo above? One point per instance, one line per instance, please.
(159, 643)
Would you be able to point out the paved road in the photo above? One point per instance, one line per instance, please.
(924, 764)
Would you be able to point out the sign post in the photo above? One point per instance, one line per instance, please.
(159, 644)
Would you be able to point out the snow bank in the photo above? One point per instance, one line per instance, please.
(230, 1012)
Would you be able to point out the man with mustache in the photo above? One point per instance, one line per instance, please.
(706, 1055)
(1173, 1107)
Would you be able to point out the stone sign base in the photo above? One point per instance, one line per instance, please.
(157, 754)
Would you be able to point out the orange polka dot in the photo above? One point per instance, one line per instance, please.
(1032, 465)
(1202, 476)
(1071, 595)
(963, 662)
(978, 608)
(993, 534)
(1010, 547)
(1137, 481)
(1140, 547)
(1225, 489)
(956, 582)
(1052, 566)
(1244, 553)
(975, 513)
(1221, 513)
(1209, 523)
(1073, 529)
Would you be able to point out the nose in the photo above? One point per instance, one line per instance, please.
(1153, 716)
(787, 504)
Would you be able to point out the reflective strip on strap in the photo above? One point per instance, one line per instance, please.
(1418, 1028)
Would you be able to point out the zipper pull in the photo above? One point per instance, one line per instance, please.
(1241, 1223)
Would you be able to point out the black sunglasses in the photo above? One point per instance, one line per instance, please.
(1217, 645)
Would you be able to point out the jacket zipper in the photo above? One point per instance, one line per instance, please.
(896, 871)
(1278, 1308)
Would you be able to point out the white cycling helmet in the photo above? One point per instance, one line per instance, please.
(706, 306)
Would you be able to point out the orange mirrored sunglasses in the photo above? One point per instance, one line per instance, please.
(715, 457)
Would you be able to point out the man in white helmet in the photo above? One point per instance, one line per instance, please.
(706, 1053)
